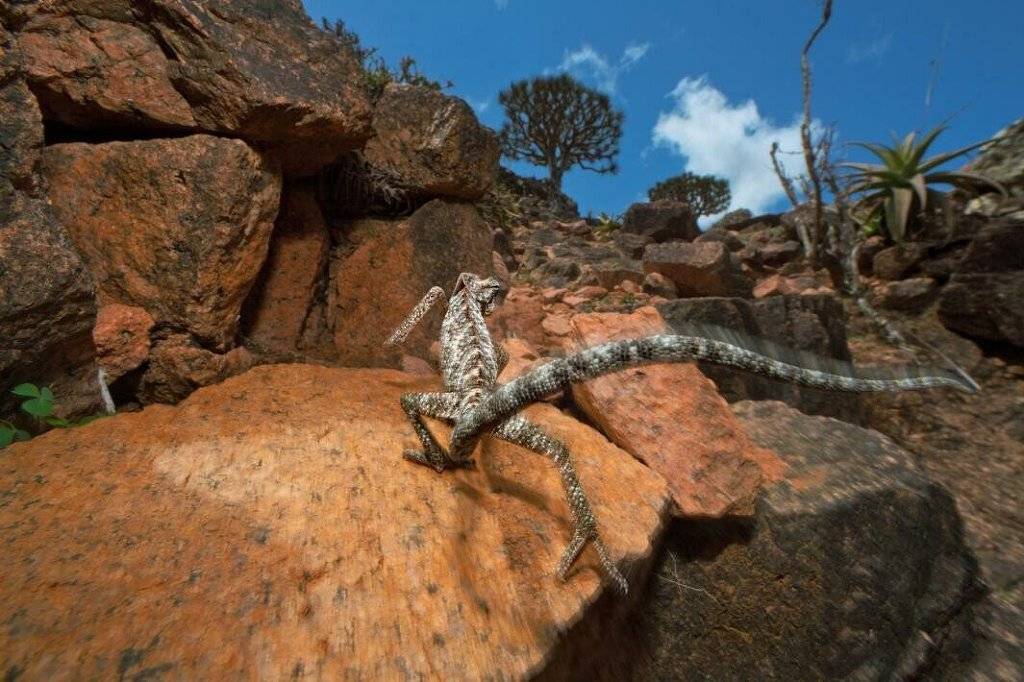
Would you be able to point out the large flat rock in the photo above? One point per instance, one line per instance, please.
(268, 527)
(671, 417)
(854, 568)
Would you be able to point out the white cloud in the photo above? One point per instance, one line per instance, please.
(872, 51)
(501, 4)
(480, 105)
(730, 141)
(633, 53)
(588, 62)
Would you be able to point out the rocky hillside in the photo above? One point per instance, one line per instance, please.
(226, 228)
(207, 200)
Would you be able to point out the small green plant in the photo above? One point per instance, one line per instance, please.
(10, 433)
(897, 189)
(376, 74)
(606, 224)
(38, 403)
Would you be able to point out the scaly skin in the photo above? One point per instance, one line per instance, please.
(475, 403)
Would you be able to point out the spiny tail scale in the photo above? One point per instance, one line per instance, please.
(614, 356)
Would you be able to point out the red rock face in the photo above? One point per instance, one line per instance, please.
(177, 366)
(198, 67)
(296, 261)
(121, 336)
(673, 419)
(661, 220)
(433, 142)
(47, 306)
(178, 227)
(698, 268)
(95, 72)
(393, 264)
(270, 525)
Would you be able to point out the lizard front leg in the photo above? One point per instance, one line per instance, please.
(439, 406)
(524, 433)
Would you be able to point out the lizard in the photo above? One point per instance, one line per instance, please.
(474, 402)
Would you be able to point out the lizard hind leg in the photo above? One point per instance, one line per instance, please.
(522, 432)
(439, 406)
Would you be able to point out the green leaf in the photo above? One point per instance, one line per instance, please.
(917, 183)
(58, 422)
(937, 161)
(868, 168)
(22, 435)
(907, 146)
(46, 394)
(6, 436)
(924, 144)
(37, 407)
(964, 178)
(26, 390)
(888, 156)
(897, 211)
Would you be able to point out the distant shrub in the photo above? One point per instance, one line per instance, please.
(376, 73)
(606, 224)
(557, 122)
(706, 194)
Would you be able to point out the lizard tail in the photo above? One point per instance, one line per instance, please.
(415, 315)
(614, 356)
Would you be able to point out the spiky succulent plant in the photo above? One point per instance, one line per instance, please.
(898, 187)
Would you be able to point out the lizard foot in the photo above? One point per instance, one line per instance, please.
(438, 463)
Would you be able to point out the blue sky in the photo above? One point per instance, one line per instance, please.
(706, 86)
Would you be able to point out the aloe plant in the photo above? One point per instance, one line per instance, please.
(898, 187)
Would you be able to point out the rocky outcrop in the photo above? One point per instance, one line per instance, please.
(770, 254)
(985, 306)
(291, 282)
(47, 305)
(985, 297)
(854, 568)
(733, 220)
(630, 244)
(537, 199)
(111, 68)
(698, 268)
(672, 419)
(1003, 160)
(661, 220)
(177, 227)
(611, 273)
(269, 527)
(122, 339)
(895, 262)
(812, 323)
(177, 365)
(383, 268)
(432, 143)
(907, 294)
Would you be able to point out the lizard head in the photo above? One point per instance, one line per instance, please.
(489, 292)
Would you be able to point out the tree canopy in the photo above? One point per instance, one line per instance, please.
(558, 122)
(706, 194)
